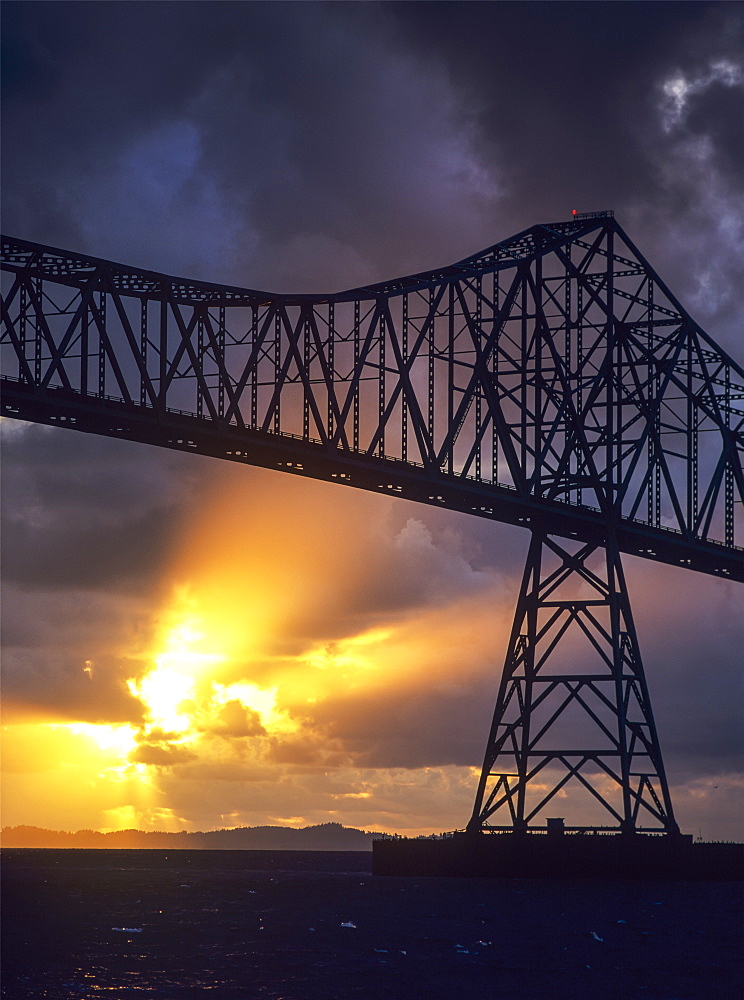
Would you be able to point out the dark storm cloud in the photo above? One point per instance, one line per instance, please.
(638, 107)
(407, 728)
(560, 87)
(298, 142)
(691, 634)
(312, 146)
(62, 654)
(86, 511)
(90, 83)
(87, 524)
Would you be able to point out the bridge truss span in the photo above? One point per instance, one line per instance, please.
(550, 380)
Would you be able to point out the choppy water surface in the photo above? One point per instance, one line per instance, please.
(291, 925)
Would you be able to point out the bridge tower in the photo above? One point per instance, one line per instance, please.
(573, 704)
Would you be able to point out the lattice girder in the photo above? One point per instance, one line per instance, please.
(551, 379)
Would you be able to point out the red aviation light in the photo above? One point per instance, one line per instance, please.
(574, 212)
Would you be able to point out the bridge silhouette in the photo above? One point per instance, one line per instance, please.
(551, 381)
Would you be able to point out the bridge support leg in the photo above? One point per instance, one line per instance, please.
(573, 718)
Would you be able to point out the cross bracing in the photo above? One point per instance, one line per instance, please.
(551, 381)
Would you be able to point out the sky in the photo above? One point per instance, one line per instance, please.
(191, 645)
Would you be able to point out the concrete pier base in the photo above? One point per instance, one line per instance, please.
(510, 855)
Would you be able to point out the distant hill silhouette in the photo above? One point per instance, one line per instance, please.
(325, 837)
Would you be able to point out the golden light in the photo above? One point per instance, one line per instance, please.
(263, 701)
(169, 689)
(118, 741)
(269, 631)
(163, 691)
(196, 692)
(70, 775)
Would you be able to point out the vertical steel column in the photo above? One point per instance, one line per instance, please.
(221, 363)
(728, 474)
(580, 362)
(22, 309)
(479, 389)
(331, 388)
(655, 391)
(570, 437)
(357, 389)
(404, 398)
(256, 367)
(524, 406)
(163, 351)
(200, 359)
(495, 376)
(84, 332)
(102, 345)
(612, 556)
(143, 346)
(430, 383)
(538, 335)
(382, 327)
(39, 319)
(305, 397)
(276, 424)
(612, 358)
(451, 372)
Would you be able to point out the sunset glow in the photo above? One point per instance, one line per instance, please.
(167, 691)
(340, 668)
(251, 691)
(108, 739)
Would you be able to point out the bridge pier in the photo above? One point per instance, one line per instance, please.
(576, 855)
(573, 709)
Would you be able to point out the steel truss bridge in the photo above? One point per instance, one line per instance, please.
(551, 381)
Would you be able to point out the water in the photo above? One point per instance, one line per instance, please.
(287, 925)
